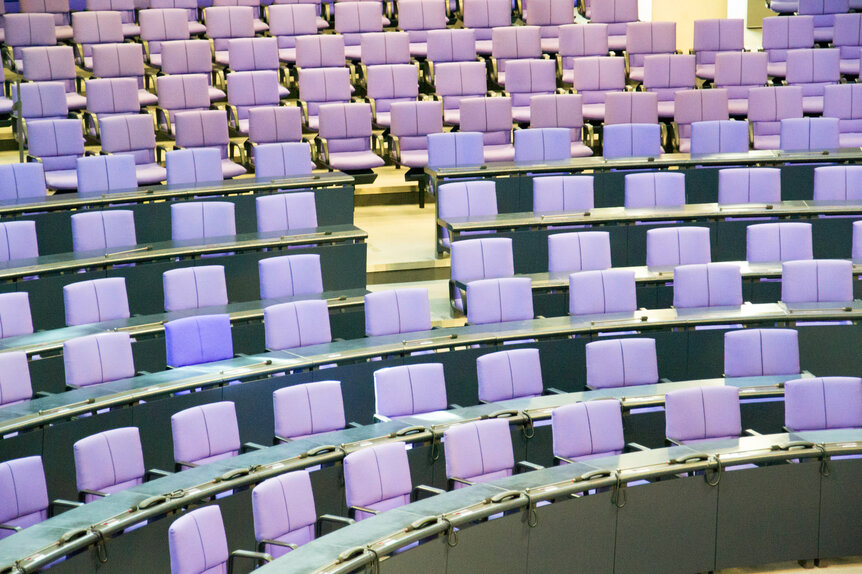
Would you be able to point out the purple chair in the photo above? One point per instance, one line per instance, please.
(286, 211)
(290, 276)
(823, 403)
(536, 145)
(766, 108)
(725, 136)
(106, 174)
(123, 61)
(823, 12)
(844, 102)
(478, 452)
(39, 101)
(180, 93)
(847, 37)
(579, 41)
(26, 30)
(283, 160)
(452, 149)
(631, 140)
(550, 16)
(182, 57)
(247, 90)
(107, 98)
(355, 19)
(838, 183)
(198, 340)
(654, 189)
(784, 241)
(601, 292)
(131, 136)
(702, 414)
(93, 28)
(159, 26)
(345, 138)
(417, 18)
(813, 70)
(193, 166)
(672, 246)
(631, 108)
(410, 125)
(457, 81)
(15, 386)
(666, 75)
(645, 38)
(126, 9)
(256, 55)
(693, 106)
(527, 79)
(22, 180)
(190, 7)
(108, 462)
(103, 230)
(458, 45)
(287, 22)
(588, 430)
(817, 281)
(409, 390)
(783, 6)
(207, 129)
(387, 48)
(194, 287)
(205, 434)
(579, 251)
(482, 16)
(377, 478)
(202, 220)
(616, 14)
(308, 409)
(224, 23)
(809, 134)
(18, 240)
(738, 73)
(707, 285)
(750, 185)
(493, 118)
(96, 300)
(322, 23)
(474, 259)
(498, 300)
(284, 513)
(57, 8)
(388, 85)
(323, 51)
(621, 363)
(257, 24)
(57, 144)
(857, 240)
(281, 124)
(715, 36)
(322, 86)
(100, 358)
(397, 311)
(508, 375)
(761, 352)
(54, 63)
(297, 324)
(512, 43)
(562, 111)
(15, 318)
(25, 500)
(781, 34)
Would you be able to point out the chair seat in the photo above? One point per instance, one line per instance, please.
(617, 43)
(850, 140)
(131, 30)
(504, 152)
(501, 78)
(150, 173)
(63, 32)
(221, 57)
(88, 63)
(243, 126)
(568, 76)
(665, 109)
(849, 67)
(414, 158)
(784, 6)
(313, 122)
(419, 50)
(452, 117)
(353, 52)
(777, 69)
(594, 111)
(146, 98)
(823, 34)
(737, 107)
(812, 104)
(521, 114)
(260, 26)
(636, 73)
(484, 47)
(767, 142)
(5, 105)
(231, 169)
(322, 23)
(383, 119)
(63, 179)
(283, 92)
(353, 160)
(579, 149)
(705, 71)
(551, 45)
(287, 55)
(196, 28)
(216, 94)
(156, 60)
(684, 145)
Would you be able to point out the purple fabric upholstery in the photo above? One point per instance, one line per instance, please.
(198, 340)
(122, 61)
(58, 144)
(57, 8)
(191, 9)
(667, 74)
(95, 301)
(498, 300)
(287, 22)
(857, 240)
(492, 117)
(844, 102)
(15, 318)
(465, 199)
(275, 124)
(561, 111)
(632, 140)
(15, 385)
(126, 9)
(591, 429)
(482, 16)
(397, 311)
(282, 160)
(324, 51)
(707, 285)
(511, 43)
(417, 17)
(702, 413)
(106, 173)
(579, 41)
(823, 403)
(621, 363)
(725, 136)
(458, 45)
(455, 149)
(99, 358)
(767, 107)
(25, 500)
(197, 543)
(226, 22)
(616, 14)
(353, 20)
(207, 128)
(194, 287)
(297, 324)
(386, 48)
(283, 508)
(751, 185)
(190, 57)
(813, 70)
(508, 375)
(409, 390)
(488, 258)
(817, 281)
(542, 144)
(715, 36)
(18, 240)
(411, 123)
(205, 433)
(290, 275)
(823, 12)
(847, 37)
(809, 134)
(193, 166)
(672, 246)
(631, 108)
(761, 352)
(695, 106)
(42, 100)
(781, 34)
(246, 90)
(322, 86)
(549, 16)
(479, 451)
(96, 27)
(202, 220)
(22, 180)
(286, 211)
(159, 26)
(738, 73)
(53, 63)
(311, 408)
(254, 54)
(644, 38)
(579, 251)
(347, 129)
(783, 241)
(109, 462)
(605, 291)
(654, 189)
(563, 193)
(838, 183)
(134, 135)
(593, 79)
(23, 30)
(526, 79)
(378, 478)
(390, 84)
(456, 81)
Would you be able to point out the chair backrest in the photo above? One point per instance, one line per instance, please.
(289, 21)
(455, 149)
(18, 240)
(416, 17)
(654, 189)
(412, 122)
(352, 19)
(549, 14)
(197, 340)
(451, 45)
(665, 74)
(30, 30)
(286, 211)
(194, 287)
(631, 108)
(579, 251)
(752, 185)
(97, 27)
(320, 51)
(479, 451)
(250, 89)
(96, 300)
(737, 72)
(593, 77)
(644, 38)
(163, 24)
(810, 66)
(498, 300)
(515, 43)
(390, 83)
(702, 413)
(759, 352)
(290, 275)
(817, 281)
(15, 318)
(296, 324)
(563, 193)
(42, 100)
(484, 15)
(857, 240)
(542, 144)
(587, 430)
(318, 86)
(186, 57)
(782, 241)
(99, 358)
(847, 34)
(604, 291)
(823, 403)
(578, 41)
(283, 509)
(347, 127)
(838, 183)
(202, 220)
(226, 22)
(690, 106)
(487, 258)
(725, 136)
(106, 173)
(276, 124)
(492, 117)
(252, 54)
(508, 375)
(377, 477)
(197, 542)
(381, 48)
(809, 134)
(45, 63)
(615, 11)
(57, 143)
(707, 285)
(528, 77)
(558, 111)
(454, 81)
(717, 35)
(109, 462)
(781, 33)
(129, 134)
(397, 311)
(632, 140)
(25, 500)
(205, 433)
(307, 409)
(22, 180)
(15, 385)
(768, 106)
(206, 128)
(467, 199)
(672, 246)
(409, 390)
(282, 160)
(192, 166)
(621, 363)
(119, 61)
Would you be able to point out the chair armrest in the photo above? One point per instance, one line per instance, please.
(180, 464)
(234, 147)
(161, 151)
(266, 541)
(664, 380)
(98, 493)
(156, 473)
(554, 391)
(563, 459)
(78, 50)
(281, 439)
(260, 557)
(672, 442)
(524, 465)
(163, 120)
(354, 425)
(42, 394)
(752, 432)
(340, 520)
(10, 527)
(381, 418)
(250, 446)
(424, 488)
(90, 120)
(322, 149)
(61, 503)
(454, 479)
(455, 406)
(633, 446)
(352, 510)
